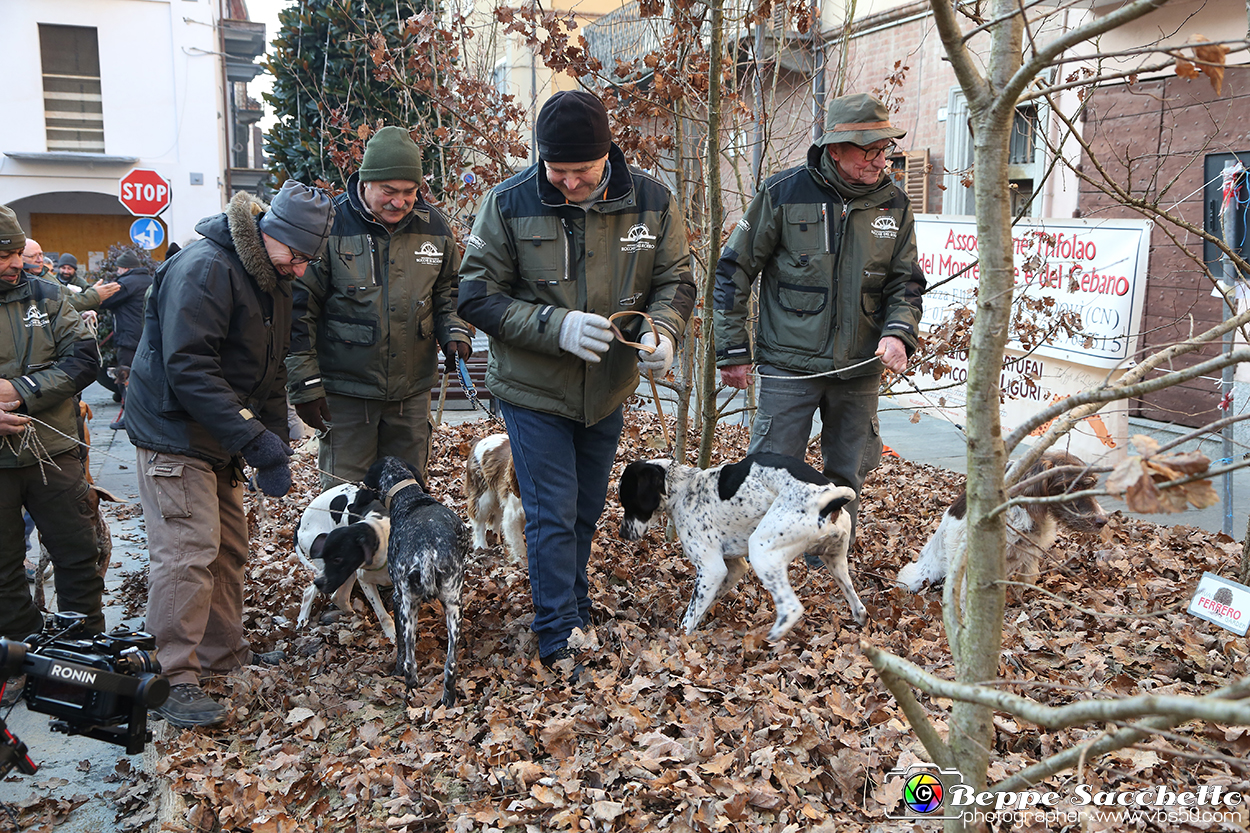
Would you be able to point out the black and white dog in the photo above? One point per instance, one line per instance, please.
(342, 537)
(426, 555)
(1031, 528)
(766, 509)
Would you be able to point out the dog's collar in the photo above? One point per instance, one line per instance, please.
(398, 487)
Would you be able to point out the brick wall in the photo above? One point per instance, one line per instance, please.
(1153, 136)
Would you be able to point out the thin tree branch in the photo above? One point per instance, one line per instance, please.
(1061, 761)
(1063, 717)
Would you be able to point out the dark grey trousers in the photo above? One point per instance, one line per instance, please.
(66, 518)
(362, 430)
(850, 437)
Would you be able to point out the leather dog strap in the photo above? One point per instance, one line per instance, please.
(398, 487)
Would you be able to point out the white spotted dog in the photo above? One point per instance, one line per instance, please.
(1031, 527)
(426, 554)
(766, 509)
(492, 495)
(342, 538)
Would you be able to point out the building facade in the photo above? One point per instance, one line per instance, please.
(101, 87)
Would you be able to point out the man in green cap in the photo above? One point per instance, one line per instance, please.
(371, 314)
(46, 357)
(834, 244)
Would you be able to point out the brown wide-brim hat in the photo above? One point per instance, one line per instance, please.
(859, 119)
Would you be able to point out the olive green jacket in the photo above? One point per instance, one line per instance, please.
(835, 275)
(532, 258)
(48, 355)
(370, 315)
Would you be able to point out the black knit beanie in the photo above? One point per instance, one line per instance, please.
(128, 260)
(391, 154)
(572, 127)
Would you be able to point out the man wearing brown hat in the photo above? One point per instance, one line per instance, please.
(207, 395)
(554, 252)
(46, 357)
(371, 315)
(834, 244)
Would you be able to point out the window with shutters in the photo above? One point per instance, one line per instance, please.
(1026, 162)
(910, 169)
(73, 107)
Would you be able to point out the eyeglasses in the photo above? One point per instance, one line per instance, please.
(873, 154)
(298, 259)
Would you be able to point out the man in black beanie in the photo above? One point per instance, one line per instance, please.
(371, 315)
(207, 395)
(554, 251)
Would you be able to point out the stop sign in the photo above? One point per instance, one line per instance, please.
(145, 193)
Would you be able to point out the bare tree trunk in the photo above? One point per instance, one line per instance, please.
(716, 218)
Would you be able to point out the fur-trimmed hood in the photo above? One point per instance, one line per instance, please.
(241, 233)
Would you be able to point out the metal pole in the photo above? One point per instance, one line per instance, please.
(1229, 283)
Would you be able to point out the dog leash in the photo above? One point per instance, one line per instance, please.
(470, 390)
(655, 391)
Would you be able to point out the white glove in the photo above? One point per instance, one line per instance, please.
(585, 335)
(659, 360)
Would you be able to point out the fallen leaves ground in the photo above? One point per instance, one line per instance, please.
(718, 731)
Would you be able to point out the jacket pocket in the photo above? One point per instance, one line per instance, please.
(425, 320)
(359, 332)
(170, 488)
(541, 249)
(802, 300)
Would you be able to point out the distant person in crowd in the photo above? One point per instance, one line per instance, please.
(46, 357)
(833, 242)
(554, 251)
(206, 395)
(171, 250)
(371, 315)
(67, 271)
(126, 304)
(32, 260)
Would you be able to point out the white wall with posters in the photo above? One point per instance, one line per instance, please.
(1093, 268)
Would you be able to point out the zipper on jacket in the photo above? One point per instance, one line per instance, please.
(373, 261)
(568, 255)
(824, 222)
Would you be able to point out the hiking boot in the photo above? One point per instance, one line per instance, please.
(559, 656)
(118, 424)
(12, 691)
(189, 706)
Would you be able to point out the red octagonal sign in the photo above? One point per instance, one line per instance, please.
(145, 193)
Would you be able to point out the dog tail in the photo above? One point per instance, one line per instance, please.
(833, 499)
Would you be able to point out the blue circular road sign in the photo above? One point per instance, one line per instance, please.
(147, 233)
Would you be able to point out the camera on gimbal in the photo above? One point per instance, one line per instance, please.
(100, 686)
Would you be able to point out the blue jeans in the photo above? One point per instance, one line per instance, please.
(562, 468)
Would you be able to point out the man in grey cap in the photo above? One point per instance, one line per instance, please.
(834, 244)
(206, 395)
(371, 316)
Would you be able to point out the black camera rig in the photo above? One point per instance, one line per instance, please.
(100, 686)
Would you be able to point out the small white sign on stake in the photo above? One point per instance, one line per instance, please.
(1222, 602)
